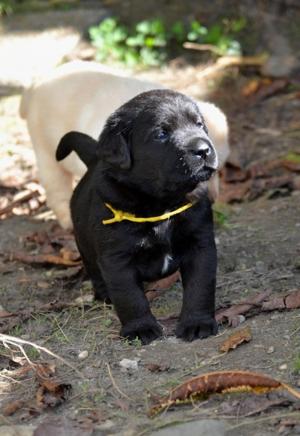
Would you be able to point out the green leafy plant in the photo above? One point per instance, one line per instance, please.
(221, 214)
(141, 46)
(6, 7)
(150, 43)
(221, 37)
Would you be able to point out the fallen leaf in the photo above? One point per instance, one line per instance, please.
(231, 174)
(165, 283)
(202, 386)
(234, 192)
(236, 339)
(273, 304)
(291, 300)
(156, 367)
(270, 89)
(250, 88)
(51, 392)
(12, 407)
(69, 255)
(155, 289)
(5, 314)
(259, 186)
(231, 314)
(42, 259)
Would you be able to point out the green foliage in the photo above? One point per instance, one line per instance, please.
(293, 157)
(297, 365)
(6, 7)
(149, 42)
(221, 214)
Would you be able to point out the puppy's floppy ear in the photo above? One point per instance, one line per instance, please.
(113, 146)
(82, 144)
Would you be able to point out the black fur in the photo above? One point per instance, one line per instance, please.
(153, 151)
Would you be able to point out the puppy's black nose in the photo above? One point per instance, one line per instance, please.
(203, 151)
(200, 147)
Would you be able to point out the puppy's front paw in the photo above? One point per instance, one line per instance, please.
(146, 329)
(196, 327)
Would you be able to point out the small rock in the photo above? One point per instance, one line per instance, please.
(83, 355)
(87, 285)
(241, 318)
(129, 364)
(88, 298)
(283, 367)
(270, 350)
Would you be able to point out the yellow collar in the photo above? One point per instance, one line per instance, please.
(119, 215)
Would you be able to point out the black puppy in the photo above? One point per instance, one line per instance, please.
(132, 221)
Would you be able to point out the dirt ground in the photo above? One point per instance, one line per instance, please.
(258, 250)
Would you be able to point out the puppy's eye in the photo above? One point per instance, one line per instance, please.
(163, 135)
(199, 124)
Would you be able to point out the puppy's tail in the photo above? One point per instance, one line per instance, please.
(82, 144)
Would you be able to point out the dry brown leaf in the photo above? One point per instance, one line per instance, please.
(231, 314)
(236, 339)
(270, 89)
(5, 314)
(156, 367)
(231, 192)
(250, 88)
(165, 283)
(155, 289)
(222, 382)
(231, 174)
(51, 392)
(42, 259)
(12, 407)
(273, 304)
(291, 300)
(291, 166)
(69, 255)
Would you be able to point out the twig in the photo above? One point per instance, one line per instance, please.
(26, 197)
(114, 383)
(232, 61)
(17, 342)
(202, 47)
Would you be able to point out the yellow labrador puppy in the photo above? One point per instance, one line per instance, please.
(80, 96)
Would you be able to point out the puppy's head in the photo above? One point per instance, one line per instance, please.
(158, 142)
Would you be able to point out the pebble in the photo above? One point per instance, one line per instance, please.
(270, 350)
(88, 298)
(241, 318)
(283, 367)
(129, 364)
(83, 355)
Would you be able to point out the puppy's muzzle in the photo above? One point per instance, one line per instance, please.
(203, 152)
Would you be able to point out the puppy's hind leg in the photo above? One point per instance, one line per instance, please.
(58, 184)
